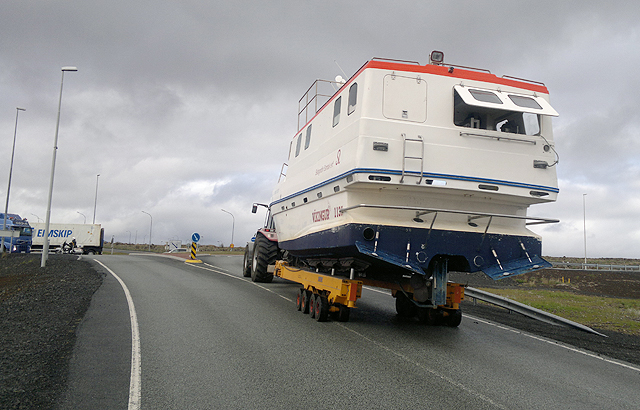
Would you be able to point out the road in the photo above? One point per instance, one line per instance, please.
(211, 339)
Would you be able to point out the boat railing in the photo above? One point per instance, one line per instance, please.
(315, 98)
(283, 171)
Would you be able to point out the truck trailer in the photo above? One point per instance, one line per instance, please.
(89, 237)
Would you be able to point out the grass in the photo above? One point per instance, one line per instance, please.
(616, 314)
(210, 249)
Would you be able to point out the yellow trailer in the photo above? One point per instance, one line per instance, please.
(320, 294)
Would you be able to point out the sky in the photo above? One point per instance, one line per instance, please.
(187, 108)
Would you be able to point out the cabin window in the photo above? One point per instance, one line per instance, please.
(307, 139)
(485, 96)
(353, 98)
(336, 111)
(493, 118)
(523, 101)
(298, 144)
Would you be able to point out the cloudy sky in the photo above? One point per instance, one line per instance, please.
(186, 108)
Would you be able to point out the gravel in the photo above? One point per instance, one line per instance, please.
(41, 309)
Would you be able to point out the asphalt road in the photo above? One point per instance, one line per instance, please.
(211, 339)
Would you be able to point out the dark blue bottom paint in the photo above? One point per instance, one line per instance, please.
(381, 251)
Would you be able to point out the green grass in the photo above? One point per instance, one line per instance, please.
(616, 314)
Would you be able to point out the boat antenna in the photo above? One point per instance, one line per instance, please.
(345, 74)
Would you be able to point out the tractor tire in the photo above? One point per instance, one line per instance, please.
(246, 264)
(265, 253)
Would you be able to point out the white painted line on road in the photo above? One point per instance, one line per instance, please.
(425, 368)
(555, 343)
(384, 292)
(135, 380)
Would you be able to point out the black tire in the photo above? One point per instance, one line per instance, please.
(265, 253)
(299, 299)
(454, 318)
(343, 313)
(404, 307)
(306, 301)
(428, 316)
(321, 308)
(312, 306)
(246, 263)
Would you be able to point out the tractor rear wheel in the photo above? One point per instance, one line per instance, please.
(265, 253)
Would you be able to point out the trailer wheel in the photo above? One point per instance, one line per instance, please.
(312, 306)
(306, 301)
(299, 299)
(265, 253)
(428, 316)
(454, 318)
(405, 307)
(321, 308)
(343, 313)
(246, 264)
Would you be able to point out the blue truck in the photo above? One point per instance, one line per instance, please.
(18, 233)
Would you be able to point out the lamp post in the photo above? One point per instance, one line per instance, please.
(584, 225)
(85, 217)
(150, 228)
(96, 200)
(129, 237)
(37, 217)
(233, 225)
(13, 150)
(45, 248)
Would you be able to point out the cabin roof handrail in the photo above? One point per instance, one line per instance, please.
(538, 220)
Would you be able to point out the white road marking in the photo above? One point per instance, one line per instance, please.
(554, 342)
(136, 368)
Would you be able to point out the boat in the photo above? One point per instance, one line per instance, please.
(406, 166)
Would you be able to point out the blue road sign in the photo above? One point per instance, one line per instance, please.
(195, 237)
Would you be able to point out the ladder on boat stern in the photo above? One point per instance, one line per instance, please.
(409, 140)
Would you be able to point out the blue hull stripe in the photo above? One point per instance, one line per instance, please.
(417, 174)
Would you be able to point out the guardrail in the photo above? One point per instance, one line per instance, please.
(596, 266)
(525, 310)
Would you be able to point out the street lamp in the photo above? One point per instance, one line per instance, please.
(37, 217)
(85, 217)
(45, 248)
(129, 237)
(150, 228)
(96, 200)
(584, 225)
(233, 224)
(13, 150)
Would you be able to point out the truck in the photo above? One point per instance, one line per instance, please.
(89, 237)
(17, 236)
(401, 174)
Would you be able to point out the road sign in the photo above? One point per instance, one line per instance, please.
(195, 237)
